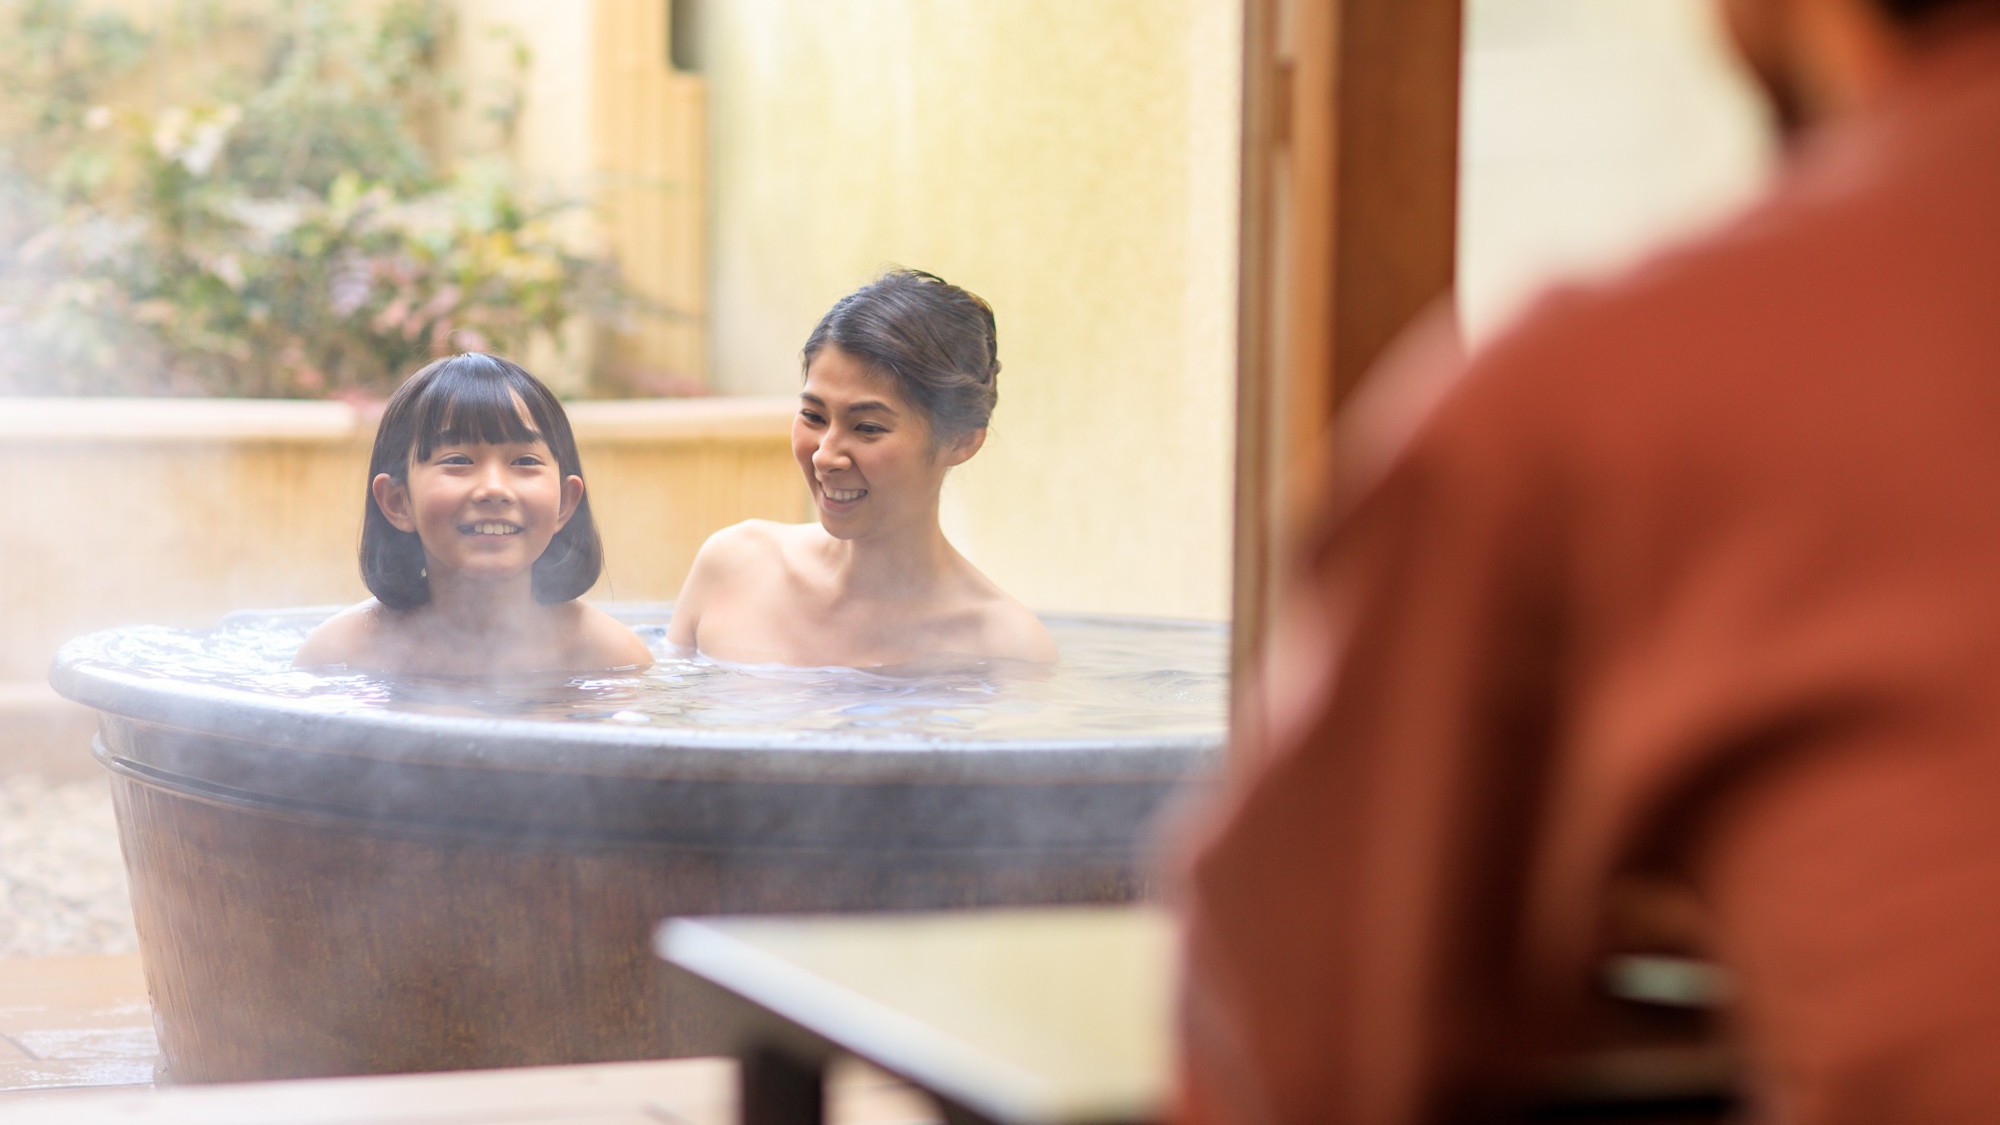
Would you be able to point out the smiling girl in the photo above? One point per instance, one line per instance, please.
(900, 379)
(477, 539)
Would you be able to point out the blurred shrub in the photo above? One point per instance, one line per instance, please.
(279, 228)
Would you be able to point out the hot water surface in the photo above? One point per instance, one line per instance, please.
(1135, 678)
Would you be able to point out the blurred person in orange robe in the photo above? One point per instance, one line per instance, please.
(1670, 620)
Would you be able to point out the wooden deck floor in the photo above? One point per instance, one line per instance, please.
(77, 1047)
(74, 1022)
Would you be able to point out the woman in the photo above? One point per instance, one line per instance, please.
(899, 383)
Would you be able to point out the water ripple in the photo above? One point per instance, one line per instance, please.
(1114, 679)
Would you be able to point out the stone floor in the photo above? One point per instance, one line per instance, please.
(675, 1092)
(77, 1043)
(77, 1047)
(76, 1034)
(62, 879)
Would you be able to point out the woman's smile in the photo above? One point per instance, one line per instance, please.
(489, 527)
(840, 500)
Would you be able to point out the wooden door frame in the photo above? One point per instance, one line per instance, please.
(1348, 230)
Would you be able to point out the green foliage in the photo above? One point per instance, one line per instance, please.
(277, 229)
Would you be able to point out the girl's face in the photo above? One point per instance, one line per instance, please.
(483, 511)
(867, 454)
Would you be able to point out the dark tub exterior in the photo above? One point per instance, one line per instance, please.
(368, 892)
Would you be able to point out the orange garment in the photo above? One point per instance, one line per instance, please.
(1695, 576)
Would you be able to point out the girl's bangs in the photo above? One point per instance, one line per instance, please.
(473, 406)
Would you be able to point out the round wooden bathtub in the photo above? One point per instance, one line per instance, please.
(322, 893)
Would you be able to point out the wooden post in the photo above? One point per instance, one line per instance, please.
(649, 125)
(1350, 189)
(777, 1088)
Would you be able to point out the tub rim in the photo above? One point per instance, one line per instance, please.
(525, 745)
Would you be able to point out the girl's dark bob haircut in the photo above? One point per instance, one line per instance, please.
(472, 397)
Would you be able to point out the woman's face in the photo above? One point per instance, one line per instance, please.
(866, 453)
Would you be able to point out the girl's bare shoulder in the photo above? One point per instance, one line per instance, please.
(600, 642)
(353, 637)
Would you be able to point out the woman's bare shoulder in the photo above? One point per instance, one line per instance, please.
(354, 636)
(750, 554)
(730, 560)
(748, 543)
(1012, 631)
(1006, 629)
(754, 534)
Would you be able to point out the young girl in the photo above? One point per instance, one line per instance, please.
(900, 379)
(478, 537)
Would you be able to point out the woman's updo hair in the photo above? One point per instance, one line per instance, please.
(934, 340)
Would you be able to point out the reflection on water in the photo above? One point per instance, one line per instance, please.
(1116, 678)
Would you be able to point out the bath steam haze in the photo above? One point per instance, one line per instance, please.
(520, 842)
(440, 840)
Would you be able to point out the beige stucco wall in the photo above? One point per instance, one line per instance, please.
(1593, 131)
(1074, 164)
(552, 133)
(603, 119)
